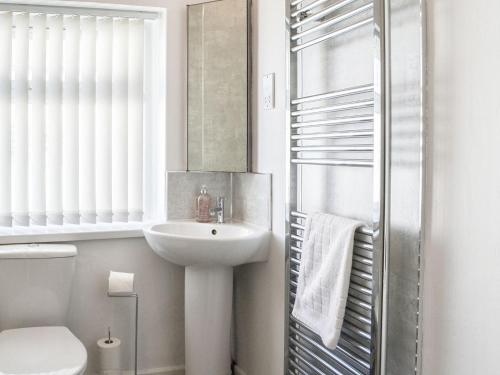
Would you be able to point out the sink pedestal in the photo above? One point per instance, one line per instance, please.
(209, 251)
(208, 308)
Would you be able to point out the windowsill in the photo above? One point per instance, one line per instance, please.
(67, 233)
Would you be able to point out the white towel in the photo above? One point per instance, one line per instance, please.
(324, 275)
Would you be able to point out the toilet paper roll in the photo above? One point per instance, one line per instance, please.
(109, 356)
(120, 283)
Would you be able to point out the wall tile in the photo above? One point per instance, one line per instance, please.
(252, 198)
(184, 187)
(248, 195)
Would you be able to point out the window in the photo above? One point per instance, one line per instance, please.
(81, 123)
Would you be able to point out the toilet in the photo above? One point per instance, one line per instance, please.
(35, 289)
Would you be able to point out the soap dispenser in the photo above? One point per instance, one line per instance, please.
(203, 206)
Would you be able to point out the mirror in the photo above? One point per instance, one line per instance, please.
(218, 77)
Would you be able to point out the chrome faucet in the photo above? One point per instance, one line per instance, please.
(218, 210)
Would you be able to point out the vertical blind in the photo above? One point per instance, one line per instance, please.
(75, 92)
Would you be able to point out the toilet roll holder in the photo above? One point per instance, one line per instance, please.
(136, 296)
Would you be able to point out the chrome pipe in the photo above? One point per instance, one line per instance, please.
(306, 7)
(299, 214)
(346, 341)
(333, 21)
(323, 13)
(357, 331)
(335, 135)
(334, 94)
(363, 260)
(334, 162)
(381, 183)
(296, 2)
(363, 245)
(363, 230)
(322, 361)
(354, 148)
(332, 34)
(307, 363)
(358, 244)
(321, 348)
(360, 289)
(362, 275)
(361, 304)
(360, 104)
(345, 120)
(296, 262)
(298, 370)
(298, 226)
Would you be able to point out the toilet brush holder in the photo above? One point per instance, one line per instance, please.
(136, 297)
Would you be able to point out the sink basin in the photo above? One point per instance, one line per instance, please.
(189, 243)
(208, 251)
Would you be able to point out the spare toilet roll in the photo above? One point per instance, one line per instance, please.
(109, 355)
(120, 282)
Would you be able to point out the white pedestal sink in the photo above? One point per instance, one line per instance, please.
(209, 252)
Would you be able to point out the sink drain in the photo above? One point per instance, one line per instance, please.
(214, 231)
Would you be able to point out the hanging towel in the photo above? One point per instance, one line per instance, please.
(324, 275)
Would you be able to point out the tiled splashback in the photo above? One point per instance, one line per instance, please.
(248, 195)
(251, 199)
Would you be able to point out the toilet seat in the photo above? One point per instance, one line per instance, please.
(41, 350)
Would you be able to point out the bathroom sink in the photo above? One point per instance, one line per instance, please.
(189, 243)
(209, 252)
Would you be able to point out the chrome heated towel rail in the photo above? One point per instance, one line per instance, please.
(340, 128)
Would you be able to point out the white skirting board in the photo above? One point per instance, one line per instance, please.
(170, 370)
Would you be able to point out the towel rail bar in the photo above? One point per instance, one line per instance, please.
(307, 364)
(307, 7)
(353, 148)
(324, 350)
(335, 162)
(345, 342)
(344, 120)
(357, 104)
(341, 134)
(362, 230)
(343, 348)
(316, 16)
(335, 94)
(323, 362)
(332, 34)
(333, 21)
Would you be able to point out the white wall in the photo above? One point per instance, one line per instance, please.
(160, 286)
(260, 287)
(462, 248)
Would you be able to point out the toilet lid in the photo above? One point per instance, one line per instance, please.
(41, 350)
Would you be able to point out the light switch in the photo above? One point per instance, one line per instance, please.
(268, 91)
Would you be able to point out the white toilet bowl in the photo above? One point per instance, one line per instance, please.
(41, 350)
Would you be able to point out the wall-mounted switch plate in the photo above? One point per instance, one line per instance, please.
(268, 91)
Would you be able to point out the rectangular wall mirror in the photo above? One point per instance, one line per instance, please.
(218, 85)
